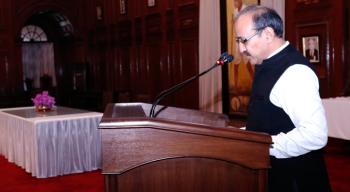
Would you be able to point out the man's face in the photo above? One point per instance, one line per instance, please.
(312, 44)
(250, 43)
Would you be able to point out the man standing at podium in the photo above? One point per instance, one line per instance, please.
(284, 103)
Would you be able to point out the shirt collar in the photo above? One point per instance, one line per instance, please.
(279, 49)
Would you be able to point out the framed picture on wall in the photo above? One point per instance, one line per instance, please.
(316, 36)
(151, 3)
(122, 6)
(240, 72)
(311, 48)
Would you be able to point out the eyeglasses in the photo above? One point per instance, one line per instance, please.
(246, 39)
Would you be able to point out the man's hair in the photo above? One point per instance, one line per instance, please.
(264, 17)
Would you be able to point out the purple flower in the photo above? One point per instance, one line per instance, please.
(43, 99)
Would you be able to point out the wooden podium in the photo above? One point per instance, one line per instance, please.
(180, 150)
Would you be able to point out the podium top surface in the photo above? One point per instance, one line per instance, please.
(129, 111)
(135, 115)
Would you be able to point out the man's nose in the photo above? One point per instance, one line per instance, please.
(241, 47)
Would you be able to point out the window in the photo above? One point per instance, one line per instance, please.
(32, 33)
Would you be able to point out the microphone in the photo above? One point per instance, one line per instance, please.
(223, 59)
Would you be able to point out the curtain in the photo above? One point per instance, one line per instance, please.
(38, 60)
(210, 84)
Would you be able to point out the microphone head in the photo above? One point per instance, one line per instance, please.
(223, 55)
(224, 58)
(228, 59)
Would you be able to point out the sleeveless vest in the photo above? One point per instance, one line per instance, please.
(263, 116)
(297, 174)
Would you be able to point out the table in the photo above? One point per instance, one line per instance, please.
(338, 117)
(48, 144)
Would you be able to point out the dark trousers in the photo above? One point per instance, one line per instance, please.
(305, 173)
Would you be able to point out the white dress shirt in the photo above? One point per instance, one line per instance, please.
(297, 93)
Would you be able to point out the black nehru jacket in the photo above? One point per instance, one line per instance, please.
(263, 116)
(303, 173)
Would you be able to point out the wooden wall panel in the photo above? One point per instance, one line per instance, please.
(4, 41)
(188, 51)
(8, 69)
(139, 77)
(326, 19)
(123, 69)
(188, 47)
(347, 48)
(4, 70)
(143, 50)
(321, 30)
(152, 62)
(4, 14)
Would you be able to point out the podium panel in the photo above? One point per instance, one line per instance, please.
(181, 150)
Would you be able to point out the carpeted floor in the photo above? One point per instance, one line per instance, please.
(337, 156)
(15, 179)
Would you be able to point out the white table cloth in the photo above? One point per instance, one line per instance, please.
(338, 117)
(48, 144)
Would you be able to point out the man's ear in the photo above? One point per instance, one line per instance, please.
(269, 34)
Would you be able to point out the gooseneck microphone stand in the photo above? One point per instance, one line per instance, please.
(224, 59)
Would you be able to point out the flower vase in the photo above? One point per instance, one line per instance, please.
(42, 108)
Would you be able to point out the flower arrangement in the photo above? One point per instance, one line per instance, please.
(43, 101)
